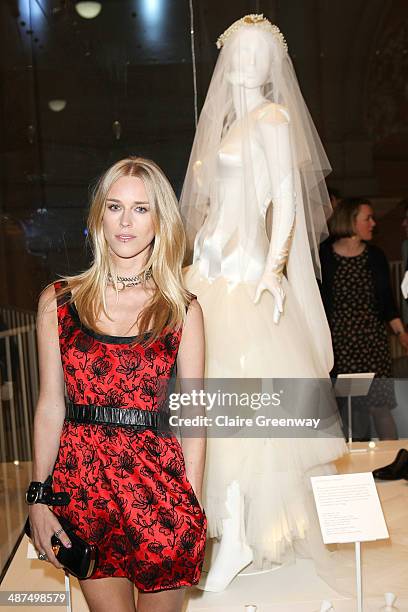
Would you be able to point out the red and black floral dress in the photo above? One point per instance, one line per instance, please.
(129, 491)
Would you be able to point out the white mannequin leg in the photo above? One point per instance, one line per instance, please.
(234, 553)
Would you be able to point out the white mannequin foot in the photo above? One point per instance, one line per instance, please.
(234, 553)
(390, 600)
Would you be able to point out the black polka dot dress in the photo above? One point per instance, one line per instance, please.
(360, 338)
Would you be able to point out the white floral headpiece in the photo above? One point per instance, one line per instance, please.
(258, 20)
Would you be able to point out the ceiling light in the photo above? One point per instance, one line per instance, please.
(57, 105)
(117, 129)
(88, 10)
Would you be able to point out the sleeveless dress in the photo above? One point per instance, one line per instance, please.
(360, 340)
(355, 317)
(129, 491)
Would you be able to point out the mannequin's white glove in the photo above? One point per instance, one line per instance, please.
(274, 135)
(272, 283)
(404, 285)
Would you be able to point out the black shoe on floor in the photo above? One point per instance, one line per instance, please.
(395, 470)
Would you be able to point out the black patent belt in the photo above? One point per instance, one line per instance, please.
(111, 415)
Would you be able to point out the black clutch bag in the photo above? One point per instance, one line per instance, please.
(81, 559)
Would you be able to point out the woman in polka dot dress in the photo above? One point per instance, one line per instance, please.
(357, 295)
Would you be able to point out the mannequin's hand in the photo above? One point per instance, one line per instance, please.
(271, 283)
(404, 285)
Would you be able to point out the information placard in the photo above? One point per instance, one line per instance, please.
(349, 508)
(353, 385)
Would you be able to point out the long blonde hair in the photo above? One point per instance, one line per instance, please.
(167, 306)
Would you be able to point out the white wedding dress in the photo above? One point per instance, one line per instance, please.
(242, 341)
(239, 165)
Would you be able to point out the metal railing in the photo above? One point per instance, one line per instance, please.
(18, 398)
(19, 383)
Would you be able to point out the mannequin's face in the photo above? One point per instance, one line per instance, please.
(250, 60)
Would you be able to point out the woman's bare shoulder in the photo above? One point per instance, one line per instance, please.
(47, 301)
(194, 312)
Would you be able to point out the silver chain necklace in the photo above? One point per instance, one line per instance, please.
(131, 281)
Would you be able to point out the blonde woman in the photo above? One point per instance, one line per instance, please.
(111, 334)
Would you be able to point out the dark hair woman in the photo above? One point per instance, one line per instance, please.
(358, 300)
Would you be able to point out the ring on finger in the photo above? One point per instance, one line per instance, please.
(56, 533)
(42, 556)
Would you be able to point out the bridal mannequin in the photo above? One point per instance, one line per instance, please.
(259, 322)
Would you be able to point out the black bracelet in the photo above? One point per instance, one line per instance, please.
(36, 490)
(42, 493)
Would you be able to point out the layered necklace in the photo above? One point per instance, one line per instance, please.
(131, 281)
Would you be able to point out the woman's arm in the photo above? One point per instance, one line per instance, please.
(190, 366)
(50, 411)
(48, 422)
(328, 265)
(391, 313)
(398, 328)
